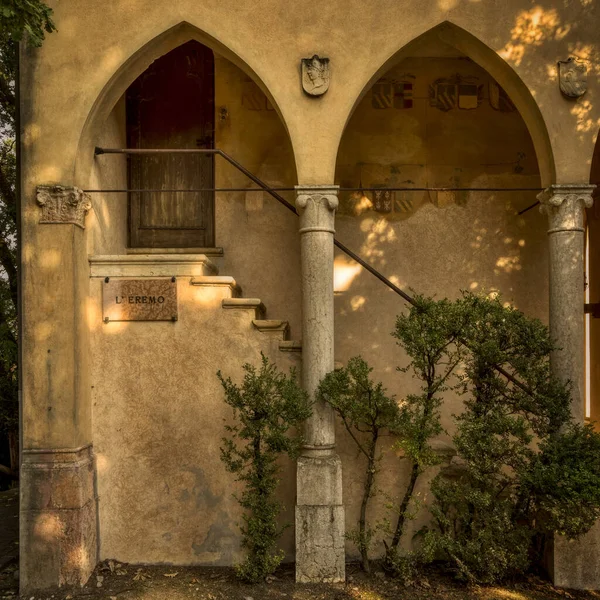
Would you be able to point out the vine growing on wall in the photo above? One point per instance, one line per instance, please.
(266, 406)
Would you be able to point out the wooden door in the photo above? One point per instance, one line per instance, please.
(171, 105)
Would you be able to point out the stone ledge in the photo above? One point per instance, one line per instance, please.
(218, 281)
(254, 304)
(273, 326)
(151, 265)
(290, 346)
(215, 252)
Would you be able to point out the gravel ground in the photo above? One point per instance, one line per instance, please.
(115, 581)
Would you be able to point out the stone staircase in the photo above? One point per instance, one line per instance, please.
(274, 328)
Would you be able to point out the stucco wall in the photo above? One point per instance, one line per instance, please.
(435, 243)
(155, 427)
(72, 93)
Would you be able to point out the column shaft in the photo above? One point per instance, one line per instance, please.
(320, 552)
(572, 564)
(565, 207)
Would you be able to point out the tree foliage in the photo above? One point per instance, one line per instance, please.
(367, 412)
(265, 407)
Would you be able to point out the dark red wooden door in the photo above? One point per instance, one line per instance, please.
(171, 105)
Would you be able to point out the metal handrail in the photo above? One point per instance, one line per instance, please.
(363, 263)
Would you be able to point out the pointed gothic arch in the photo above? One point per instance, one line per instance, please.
(132, 67)
(499, 69)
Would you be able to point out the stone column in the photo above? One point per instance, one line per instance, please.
(320, 551)
(58, 500)
(571, 564)
(565, 207)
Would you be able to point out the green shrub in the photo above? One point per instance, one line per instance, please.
(265, 407)
(366, 411)
(524, 470)
(428, 335)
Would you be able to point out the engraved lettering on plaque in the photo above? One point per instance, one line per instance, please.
(139, 300)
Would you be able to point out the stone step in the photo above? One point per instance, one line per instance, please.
(223, 281)
(290, 346)
(273, 326)
(151, 265)
(246, 304)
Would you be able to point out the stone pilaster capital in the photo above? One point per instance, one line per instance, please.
(63, 204)
(564, 204)
(316, 205)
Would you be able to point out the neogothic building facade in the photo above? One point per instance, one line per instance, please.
(419, 133)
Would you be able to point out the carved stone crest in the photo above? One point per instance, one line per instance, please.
(63, 204)
(315, 75)
(572, 77)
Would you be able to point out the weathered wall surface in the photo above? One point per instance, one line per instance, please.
(436, 243)
(157, 431)
(159, 416)
(162, 492)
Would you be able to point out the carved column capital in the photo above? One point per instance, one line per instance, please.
(63, 204)
(564, 204)
(316, 205)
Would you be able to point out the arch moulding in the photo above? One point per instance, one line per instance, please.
(498, 68)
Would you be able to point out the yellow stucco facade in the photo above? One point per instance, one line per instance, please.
(132, 413)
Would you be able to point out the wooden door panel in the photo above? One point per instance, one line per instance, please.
(171, 105)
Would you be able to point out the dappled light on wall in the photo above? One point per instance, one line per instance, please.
(344, 272)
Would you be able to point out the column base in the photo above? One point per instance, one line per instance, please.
(58, 518)
(575, 564)
(320, 521)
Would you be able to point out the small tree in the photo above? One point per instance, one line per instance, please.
(366, 411)
(429, 334)
(265, 407)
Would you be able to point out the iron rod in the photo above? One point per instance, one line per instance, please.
(292, 208)
(522, 212)
(341, 189)
(189, 190)
(141, 151)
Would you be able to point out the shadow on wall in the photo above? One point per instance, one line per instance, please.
(437, 119)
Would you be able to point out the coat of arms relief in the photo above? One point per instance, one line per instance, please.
(572, 77)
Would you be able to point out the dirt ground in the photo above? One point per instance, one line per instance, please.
(115, 581)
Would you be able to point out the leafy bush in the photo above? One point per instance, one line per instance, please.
(366, 411)
(428, 335)
(266, 406)
(524, 470)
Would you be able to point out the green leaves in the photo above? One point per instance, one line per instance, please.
(265, 407)
(524, 470)
(366, 411)
(30, 17)
(362, 403)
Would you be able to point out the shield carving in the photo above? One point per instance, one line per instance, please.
(315, 75)
(572, 77)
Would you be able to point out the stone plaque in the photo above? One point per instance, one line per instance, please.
(139, 300)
